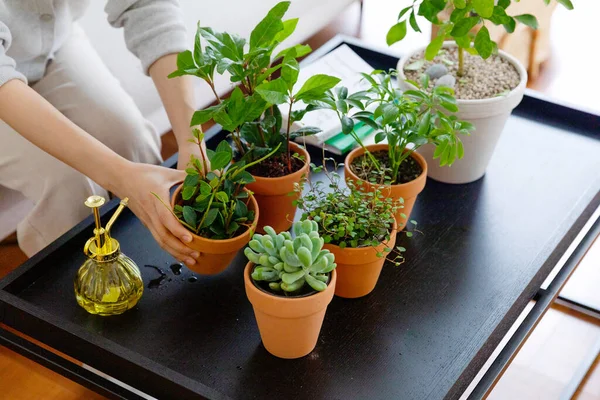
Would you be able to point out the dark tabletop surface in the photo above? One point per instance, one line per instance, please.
(421, 334)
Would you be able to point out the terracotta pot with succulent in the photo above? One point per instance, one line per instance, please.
(407, 120)
(215, 206)
(251, 113)
(488, 82)
(358, 227)
(290, 282)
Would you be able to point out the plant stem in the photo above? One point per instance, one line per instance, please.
(287, 143)
(262, 135)
(461, 62)
(212, 86)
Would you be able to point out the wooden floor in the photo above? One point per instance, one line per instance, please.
(552, 353)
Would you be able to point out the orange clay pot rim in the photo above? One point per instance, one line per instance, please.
(304, 299)
(235, 238)
(293, 175)
(356, 249)
(376, 147)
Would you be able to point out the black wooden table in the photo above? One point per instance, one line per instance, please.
(423, 333)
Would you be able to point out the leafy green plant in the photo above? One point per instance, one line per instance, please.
(286, 263)
(464, 16)
(250, 113)
(214, 204)
(349, 215)
(406, 119)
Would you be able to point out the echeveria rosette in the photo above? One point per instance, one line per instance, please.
(286, 263)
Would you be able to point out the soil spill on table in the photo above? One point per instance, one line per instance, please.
(192, 279)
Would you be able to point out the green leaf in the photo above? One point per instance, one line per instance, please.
(191, 171)
(484, 8)
(210, 217)
(566, 3)
(460, 3)
(483, 43)
(222, 197)
(347, 124)
(198, 46)
(240, 209)
(434, 47)
(413, 22)
(527, 19)
(503, 3)
(289, 26)
(396, 33)
(202, 116)
(243, 177)
(205, 188)
(300, 51)
(220, 160)
(289, 72)
(464, 26)
(224, 146)
(404, 11)
(185, 60)
(188, 192)
(316, 86)
(191, 180)
(273, 92)
(264, 33)
(510, 25)
(189, 215)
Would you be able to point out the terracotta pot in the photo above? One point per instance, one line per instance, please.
(358, 269)
(216, 255)
(289, 327)
(408, 191)
(272, 196)
(487, 115)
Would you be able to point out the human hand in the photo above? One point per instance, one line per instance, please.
(138, 182)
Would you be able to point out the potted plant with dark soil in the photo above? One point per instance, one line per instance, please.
(251, 112)
(406, 120)
(290, 282)
(357, 226)
(488, 82)
(214, 205)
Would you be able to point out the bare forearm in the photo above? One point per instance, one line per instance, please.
(38, 121)
(177, 95)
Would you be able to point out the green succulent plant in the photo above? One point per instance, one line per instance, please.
(286, 263)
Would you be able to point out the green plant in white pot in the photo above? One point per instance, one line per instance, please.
(488, 82)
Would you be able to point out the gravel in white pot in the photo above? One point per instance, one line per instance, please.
(488, 115)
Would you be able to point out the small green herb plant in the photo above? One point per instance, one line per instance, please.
(213, 203)
(251, 112)
(464, 16)
(348, 215)
(406, 119)
(287, 263)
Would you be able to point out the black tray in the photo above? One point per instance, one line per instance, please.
(424, 332)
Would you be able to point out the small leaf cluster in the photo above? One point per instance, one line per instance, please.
(250, 113)
(286, 263)
(464, 16)
(347, 214)
(406, 119)
(213, 203)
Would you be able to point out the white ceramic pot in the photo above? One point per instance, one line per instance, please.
(487, 115)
